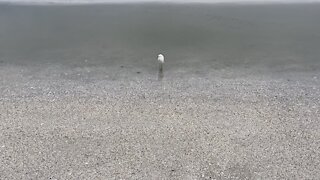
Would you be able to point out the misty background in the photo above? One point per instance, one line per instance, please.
(189, 35)
(182, 1)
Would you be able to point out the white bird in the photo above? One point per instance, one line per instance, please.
(161, 63)
(161, 58)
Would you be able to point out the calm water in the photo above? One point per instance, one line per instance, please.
(107, 34)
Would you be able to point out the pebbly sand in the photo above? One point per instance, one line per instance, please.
(88, 108)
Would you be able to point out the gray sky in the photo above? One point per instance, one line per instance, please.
(96, 1)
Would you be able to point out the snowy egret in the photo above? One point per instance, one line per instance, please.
(161, 58)
(161, 62)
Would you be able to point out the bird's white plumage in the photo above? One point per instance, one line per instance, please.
(161, 58)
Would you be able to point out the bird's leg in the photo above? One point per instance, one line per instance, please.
(160, 75)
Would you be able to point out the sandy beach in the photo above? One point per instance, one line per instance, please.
(80, 96)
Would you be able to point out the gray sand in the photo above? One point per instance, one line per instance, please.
(248, 109)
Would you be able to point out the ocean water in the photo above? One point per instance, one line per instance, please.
(188, 35)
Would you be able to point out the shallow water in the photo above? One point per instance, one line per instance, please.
(189, 35)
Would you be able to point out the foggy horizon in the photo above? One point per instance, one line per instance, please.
(159, 1)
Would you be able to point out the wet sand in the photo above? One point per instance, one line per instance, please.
(80, 96)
